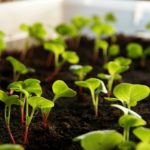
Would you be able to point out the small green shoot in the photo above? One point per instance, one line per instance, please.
(2, 43)
(11, 147)
(100, 140)
(110, 18)
(9, 101)
(114, 50)
(95, 86)
(128, 121)
(135, 51)
(18, 68)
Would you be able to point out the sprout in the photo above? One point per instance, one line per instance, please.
(9, 101)
(11, 147)
(114, 50)
(115, 68)
(128, 121)
(18, 68)
(95, 86)
(2, 43)
(59, 52)
(81, 71)
(109, 17)
(35, 31)
(100, 140)
(135, 50)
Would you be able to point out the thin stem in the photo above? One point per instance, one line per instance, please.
(109, 85)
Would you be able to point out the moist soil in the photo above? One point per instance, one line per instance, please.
(71, 116)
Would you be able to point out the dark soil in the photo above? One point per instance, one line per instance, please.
(70, 117)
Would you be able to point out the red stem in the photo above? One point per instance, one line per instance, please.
(26, 134)
(44, 121)
(11, 136)
(22, 115)
(52, 76)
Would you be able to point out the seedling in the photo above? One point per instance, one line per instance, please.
(26, 89)
(128, 121)
(115, 68)
(9, 101)
(135, 51)
(59, 52)
(36, 31)
(100, 140)
(95, 86)
(130, 94)
(18, 68)
(110, 18)
(81, 71)
(2, 43)
(114, 50)
(11, 147)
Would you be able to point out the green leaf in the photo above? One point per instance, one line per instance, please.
(134, 50)
(11, 147)
(24, 27)
(3, 95)
(18, 66)
(143, 146)
(123, 61)
(114, 50)
(131, 93)
(2, 45)
(40, 102)
(104, 76)
(143, 134)
(128, 121)
(102, 44)
(109, 17)
(60, 89)
(100, 140)
(127, 145)
(70, 57)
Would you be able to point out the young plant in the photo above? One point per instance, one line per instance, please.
(114, 50)
(36, 31)
(59, 52)
(135, 51)
(18, 68)
(110, 18)
(11, 147)
(100, 140)
(2, 43)
(115, 68)
(128, 121)
(130, 94)
(95, 86)
(26, 89)
(9, 101)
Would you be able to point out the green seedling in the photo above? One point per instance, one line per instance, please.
(9, 101)
(60, 89)
(100, 140)
(96, 87)
(2, 43)
(81, 71)
(27, 89)
(115, 68)
(37, 102)
(110, 18)
(36, 31)
(18, 68)
(11, 147)
(59, 52)
(143, 134)
(130, 94)
(128, 121)
(135, 51)
(100, 30)
(114, 50)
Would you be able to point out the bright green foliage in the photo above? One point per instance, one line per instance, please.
(2, 43)
(134, 50)
(130, 94)
(123, 61)
(95, 86)
(81, 71)
(67, 30)
(109, 17)
(18, 68)
(36, 31)
(96, 19)
(60, 89)
(128, 121)
(148, 26)
(11, 147)
(115, 68)
(80, 22)
(59, 51)
(37, 102)
(127, 145)
(114, 50)
(100, 140)
(143, 146)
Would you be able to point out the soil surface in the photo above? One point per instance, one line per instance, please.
(71, 116)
